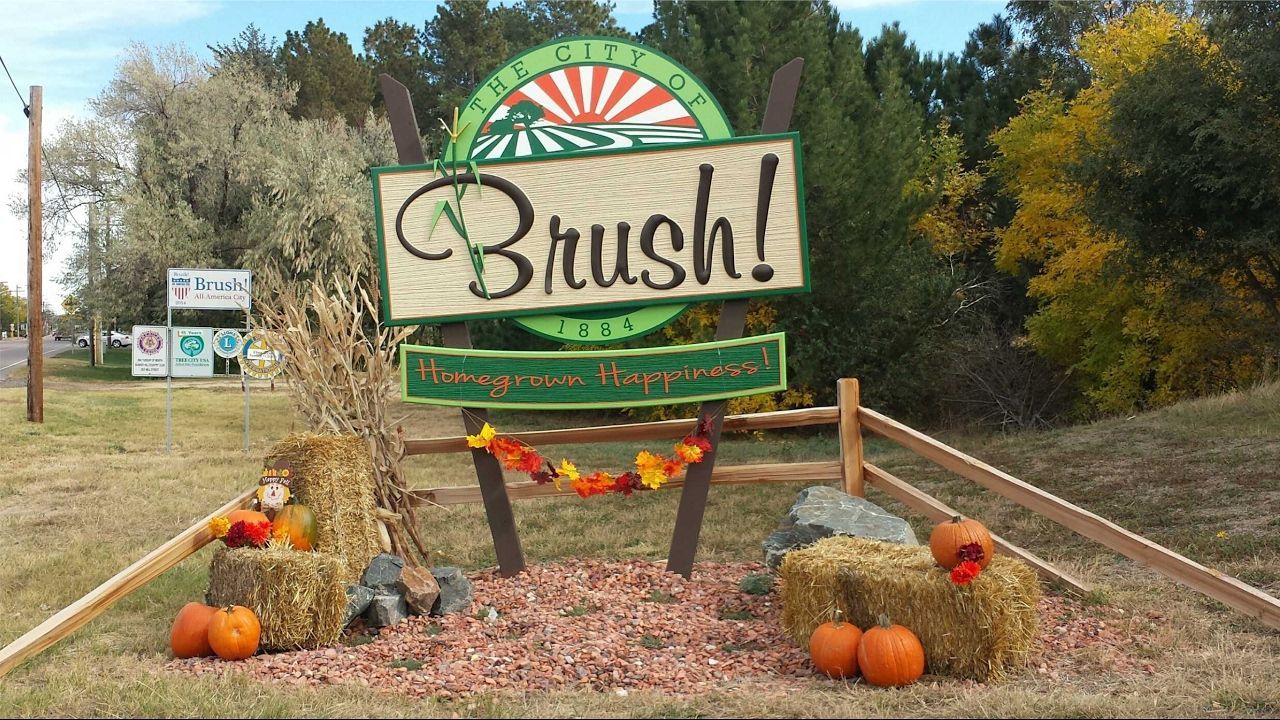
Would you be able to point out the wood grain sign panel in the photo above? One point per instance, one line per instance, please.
(593, 378)
(698, 221)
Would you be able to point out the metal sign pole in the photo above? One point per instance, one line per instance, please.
(168, 379)
(244, 380)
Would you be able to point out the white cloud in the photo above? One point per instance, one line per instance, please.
(59, 19)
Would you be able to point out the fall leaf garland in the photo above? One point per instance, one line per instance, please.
(651, 470)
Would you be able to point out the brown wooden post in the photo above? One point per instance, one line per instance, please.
(848, 397)
(35, 271)
(493, 490)
(733, 320)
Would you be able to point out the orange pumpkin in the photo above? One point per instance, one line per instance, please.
(833, 648)
(190, 634)
(297, 523)
(947, 538)
(890, 655)
(234, 632)
(248, 516)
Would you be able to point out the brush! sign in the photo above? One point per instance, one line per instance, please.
(593, 230)
(594, 378)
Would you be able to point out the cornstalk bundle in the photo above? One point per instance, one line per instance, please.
(342, 366)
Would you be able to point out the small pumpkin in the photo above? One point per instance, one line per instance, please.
(248, 516)
(297, 523)
(234, 632)
(947, 538)
(890, 655)
(833, 648)
(189, 636)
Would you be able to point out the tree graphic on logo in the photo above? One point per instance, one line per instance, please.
(523, 113)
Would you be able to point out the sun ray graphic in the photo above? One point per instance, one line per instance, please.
(584, 108)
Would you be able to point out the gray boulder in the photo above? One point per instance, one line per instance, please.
(822, 511)
(358, 599)
(386, 610)
(383, 573)
(456, 594)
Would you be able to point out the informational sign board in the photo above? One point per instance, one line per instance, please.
(593, 378)
(191, 355)
(227, 343)
(260, 358)
(205, 289)
(594, 230)
(150, 351)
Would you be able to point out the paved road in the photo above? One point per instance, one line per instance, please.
(13, 352)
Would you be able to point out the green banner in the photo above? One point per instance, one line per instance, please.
(595, 378)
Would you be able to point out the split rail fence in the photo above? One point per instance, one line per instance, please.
(851, 471)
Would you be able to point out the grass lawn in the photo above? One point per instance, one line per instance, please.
(89, 492)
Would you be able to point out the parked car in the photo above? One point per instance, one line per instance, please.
(59, 335)
(113, 338)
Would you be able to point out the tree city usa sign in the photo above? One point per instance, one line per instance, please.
(600, 193)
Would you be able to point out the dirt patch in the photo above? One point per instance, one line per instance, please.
(623, 626)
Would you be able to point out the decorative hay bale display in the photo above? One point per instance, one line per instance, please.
(299, 597)
(979, 631)
(333, 475)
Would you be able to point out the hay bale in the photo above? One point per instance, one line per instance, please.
(333, 475)
(978, 632)
(299, 597)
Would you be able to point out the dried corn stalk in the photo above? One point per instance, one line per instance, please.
(342, 373)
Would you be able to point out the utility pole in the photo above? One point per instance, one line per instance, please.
(35, 271)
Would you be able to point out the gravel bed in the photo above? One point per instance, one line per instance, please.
(604, 625)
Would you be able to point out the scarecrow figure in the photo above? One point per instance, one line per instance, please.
(273, 486)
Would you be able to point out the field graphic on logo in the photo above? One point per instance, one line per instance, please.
(586, 107)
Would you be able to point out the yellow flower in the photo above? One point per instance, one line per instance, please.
(1222, 535)
(487, 433)
(566, 470)
(219, 526)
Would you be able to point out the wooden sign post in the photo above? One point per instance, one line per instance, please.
(590, 190)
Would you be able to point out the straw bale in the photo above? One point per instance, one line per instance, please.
(299, 597)
(980, 631)
(333, 475)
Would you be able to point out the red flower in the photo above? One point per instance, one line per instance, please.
(236, 536)
(965, 572)
(258, 533)
(972, 551)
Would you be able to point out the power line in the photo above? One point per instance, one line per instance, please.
(26, 109)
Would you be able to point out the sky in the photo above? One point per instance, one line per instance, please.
(71, 47)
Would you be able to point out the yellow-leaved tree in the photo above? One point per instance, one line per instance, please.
(1127, 337)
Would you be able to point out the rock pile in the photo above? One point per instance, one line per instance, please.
(389, 592)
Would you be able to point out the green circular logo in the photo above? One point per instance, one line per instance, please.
(587, 93)
(192, 345)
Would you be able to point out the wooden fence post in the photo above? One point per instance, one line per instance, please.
(848, 398)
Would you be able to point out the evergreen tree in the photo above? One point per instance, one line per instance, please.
(396, 48)
(332, 82)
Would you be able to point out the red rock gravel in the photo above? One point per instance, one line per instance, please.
(608, 626)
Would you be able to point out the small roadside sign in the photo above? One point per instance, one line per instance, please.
(227, 343)
(260, 358)
(192, 352)
(150, 351)
(208, 289)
